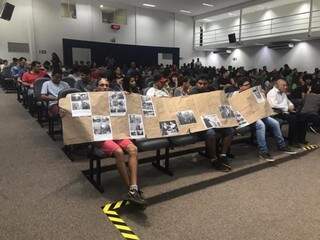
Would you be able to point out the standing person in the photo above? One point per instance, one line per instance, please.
(56, 63)
(278, 100)
(260, 129)
(221, 162)
(117, 148)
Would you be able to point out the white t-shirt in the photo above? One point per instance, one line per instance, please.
(154, 92)
(279, 100)
(50, 88)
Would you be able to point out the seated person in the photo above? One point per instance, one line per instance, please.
(18, 70)
(221, 162)
(130, 85)
(159, 88)
(28, 78)
(50, 91)
(117, 148)
(277, 97)
(183, 88)
(260, 129)
(85, 84)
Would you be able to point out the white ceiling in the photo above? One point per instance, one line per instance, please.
(195, 6)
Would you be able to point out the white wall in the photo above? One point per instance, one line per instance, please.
(39, 23)
(304, 56)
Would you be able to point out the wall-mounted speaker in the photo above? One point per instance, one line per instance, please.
(7, 11)
(232, 38)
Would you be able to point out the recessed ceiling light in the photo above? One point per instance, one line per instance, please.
(207, 4)
(101, 6)
(291, 45)
(148, 5)
(296, 40)
(229, 51)
(206, 20)
(185, 11)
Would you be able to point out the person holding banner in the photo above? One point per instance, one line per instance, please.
(117, 148)
(260, 129)
(221, 162)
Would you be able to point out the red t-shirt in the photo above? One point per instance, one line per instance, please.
(30, 77)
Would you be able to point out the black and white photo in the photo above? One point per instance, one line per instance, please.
(101, 126)
(136, 126)
(117, 104)
(226, 111)
(147, 106)
(80, 105)
(186, 117)
(211, 121)
(169, 128)
(258, 94)
(241, 120)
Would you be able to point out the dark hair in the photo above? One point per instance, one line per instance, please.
(105, 78)
(203, 77)
(57, 71)
(85, 70)
(242, 80)
(156, 78)
(34, 63)
(22, 58)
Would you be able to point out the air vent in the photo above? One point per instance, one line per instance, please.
(18, 47)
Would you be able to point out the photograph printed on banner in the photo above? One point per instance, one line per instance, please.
(258, 94)
(226, 111)
(101, 126)
(80, 105)
(147, 106)
(117, 104)
(169, 128)
(136, 126)
(211, 121)
(241, 120)
(186, 117)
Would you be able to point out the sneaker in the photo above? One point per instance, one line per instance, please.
(136, 196)
(220, 167)
(266, 156)
(288, 150)
(224, 161)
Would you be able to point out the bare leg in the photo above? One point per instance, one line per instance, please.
(121, 165)
(133, 163)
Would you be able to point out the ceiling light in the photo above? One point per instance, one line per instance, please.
(228, 51)
(101, 6)
(206, 20)
(291, 45)
(185, 11)
(296, 40)
(148, 5)
(231, 14)
(207, 5)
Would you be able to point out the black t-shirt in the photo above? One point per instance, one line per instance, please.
(297, 93)
(195, 90)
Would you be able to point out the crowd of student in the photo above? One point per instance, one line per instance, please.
(286, 90)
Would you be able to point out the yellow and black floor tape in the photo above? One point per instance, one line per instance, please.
(111, 210)
(311, 147)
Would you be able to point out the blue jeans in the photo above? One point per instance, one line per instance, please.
(274, 125)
